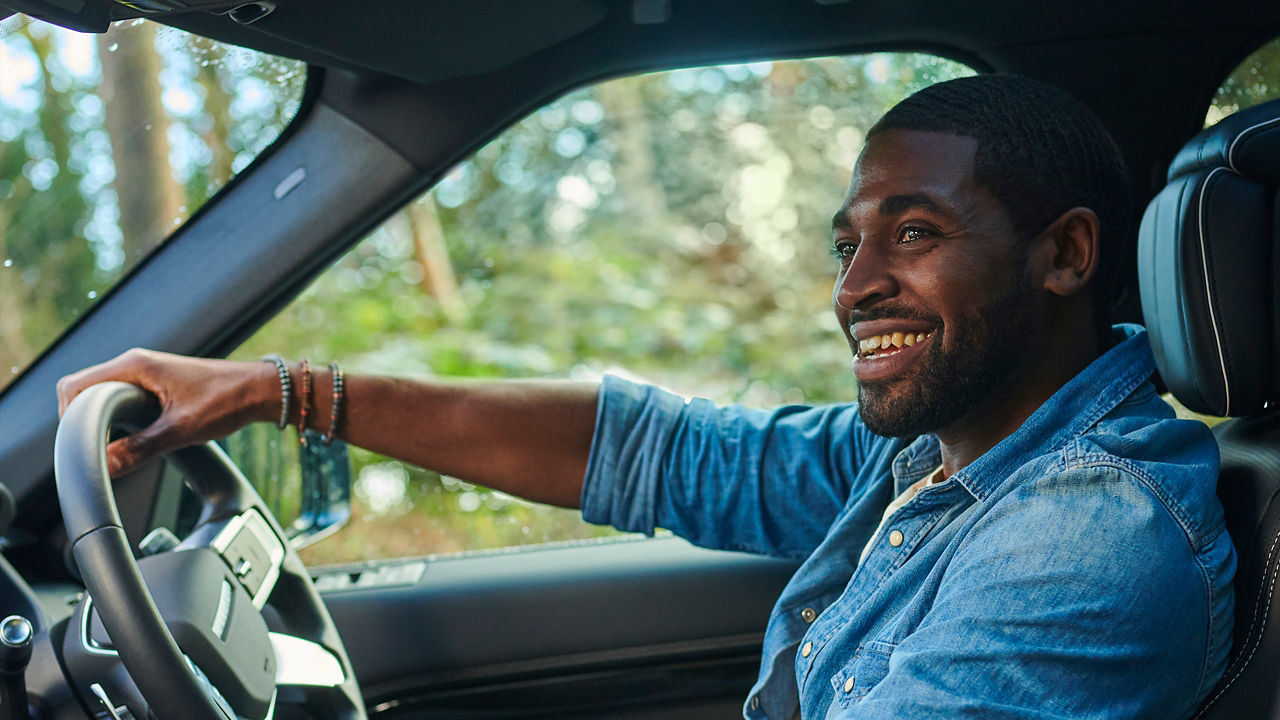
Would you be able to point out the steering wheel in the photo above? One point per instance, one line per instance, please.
(223, 626)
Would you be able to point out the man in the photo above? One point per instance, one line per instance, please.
(1048, 546)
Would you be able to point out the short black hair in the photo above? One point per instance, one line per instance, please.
(1041, 152)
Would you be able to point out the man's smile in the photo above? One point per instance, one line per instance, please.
(884, 348)
(890, 343)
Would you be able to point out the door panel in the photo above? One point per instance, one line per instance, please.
(632, 629)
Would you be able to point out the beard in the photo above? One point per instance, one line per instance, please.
(948, 383)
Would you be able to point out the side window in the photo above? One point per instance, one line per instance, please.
(671, 227)
(1253, 82)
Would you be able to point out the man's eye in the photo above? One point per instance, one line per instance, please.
(844, 249)
(912, 233)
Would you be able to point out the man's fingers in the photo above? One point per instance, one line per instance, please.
(125, 367)
(72, 385)
(68, 387)
(129, 452)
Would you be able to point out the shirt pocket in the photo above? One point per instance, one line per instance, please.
(870, 665)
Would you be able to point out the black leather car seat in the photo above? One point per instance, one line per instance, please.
(1207, 264)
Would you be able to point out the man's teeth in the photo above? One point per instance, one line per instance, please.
(890, 341)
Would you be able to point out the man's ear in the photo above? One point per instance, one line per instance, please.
(1070, 244)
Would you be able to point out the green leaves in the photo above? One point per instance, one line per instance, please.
(670, 226)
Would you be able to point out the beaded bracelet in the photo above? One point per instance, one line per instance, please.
(338, 394)
(286, 387)
(304, 400)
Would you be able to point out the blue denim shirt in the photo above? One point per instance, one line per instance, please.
(1078, 569)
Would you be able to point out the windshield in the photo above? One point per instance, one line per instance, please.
(108, 143)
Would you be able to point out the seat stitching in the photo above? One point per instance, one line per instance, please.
(1209, 297)
(1253, 625)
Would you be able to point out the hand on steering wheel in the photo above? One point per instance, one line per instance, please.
(188, 624)
(199, 400)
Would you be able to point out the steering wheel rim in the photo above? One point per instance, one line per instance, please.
(156, 664)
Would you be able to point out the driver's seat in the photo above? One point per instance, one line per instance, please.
(1207, 264)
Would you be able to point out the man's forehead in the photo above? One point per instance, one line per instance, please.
(891, 205)
(899, 169)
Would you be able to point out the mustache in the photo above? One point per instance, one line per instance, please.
(893, 311)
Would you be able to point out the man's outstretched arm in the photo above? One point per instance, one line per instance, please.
(528, 438)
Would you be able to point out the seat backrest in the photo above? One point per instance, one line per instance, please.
(1207, 267)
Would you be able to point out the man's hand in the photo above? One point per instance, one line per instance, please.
(200, 400)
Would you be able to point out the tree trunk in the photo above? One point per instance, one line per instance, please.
(438, 279)
(149, 198)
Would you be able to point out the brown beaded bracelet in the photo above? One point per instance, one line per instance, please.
(304, 402)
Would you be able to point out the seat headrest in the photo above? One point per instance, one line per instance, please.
(1206, 263)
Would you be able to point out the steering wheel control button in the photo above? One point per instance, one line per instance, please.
(246, 555)
(807, 650)
(808, 615)
(896, 538)
(223, 613)
(253, 552)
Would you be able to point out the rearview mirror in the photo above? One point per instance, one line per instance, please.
(326, 491)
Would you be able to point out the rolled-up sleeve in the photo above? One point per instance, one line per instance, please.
(633, 427)
(724, 477)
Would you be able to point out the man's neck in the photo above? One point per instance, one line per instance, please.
(1006, 408)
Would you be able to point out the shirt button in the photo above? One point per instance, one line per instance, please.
(807, 650)
(755, 702)
(808, 614)
(895, 538)
(848, 684)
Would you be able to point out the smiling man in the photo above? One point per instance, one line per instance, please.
(1010, 523)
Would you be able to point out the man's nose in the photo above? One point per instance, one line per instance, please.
(867, 278)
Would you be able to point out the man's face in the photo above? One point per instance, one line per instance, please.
(933, 290)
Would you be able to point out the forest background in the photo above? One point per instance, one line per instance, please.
(670, 226)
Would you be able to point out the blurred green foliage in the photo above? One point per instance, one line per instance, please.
(181, 109)
(672, 227)
(1254, 81)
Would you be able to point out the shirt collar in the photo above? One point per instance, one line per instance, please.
(1068, 413)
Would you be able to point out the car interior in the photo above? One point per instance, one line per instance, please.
(397, 96)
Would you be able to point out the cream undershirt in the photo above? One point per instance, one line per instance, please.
(930, 479)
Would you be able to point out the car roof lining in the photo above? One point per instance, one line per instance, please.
(427, 42)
